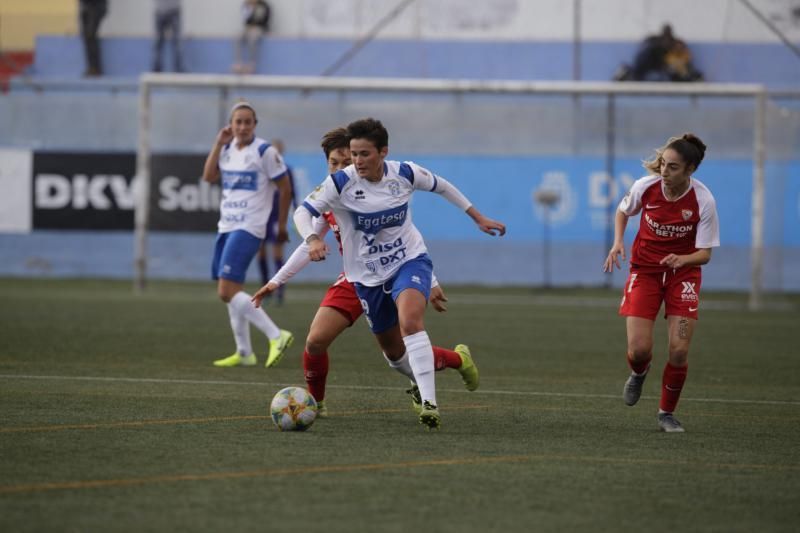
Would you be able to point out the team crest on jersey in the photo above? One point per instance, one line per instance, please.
(394, 188)
(371, 266)
(317, 189)
(686, 214)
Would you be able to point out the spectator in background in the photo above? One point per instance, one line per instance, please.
(271, 240)
(168, 21)
(661, 57)
(91, 14)
(256, 15)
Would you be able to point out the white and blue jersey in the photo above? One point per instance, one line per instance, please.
(378, 235)
(246, 176)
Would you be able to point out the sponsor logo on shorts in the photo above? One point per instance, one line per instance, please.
(689, 292)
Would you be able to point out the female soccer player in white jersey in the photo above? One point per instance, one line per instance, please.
(340, 307)
(384, 254)
(677, 230)
(251, 170)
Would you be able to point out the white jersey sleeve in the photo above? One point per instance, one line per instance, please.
(708, 227)
(425, 180)
(299, 258)
(631, 203)
(272, 163)
(323, 198)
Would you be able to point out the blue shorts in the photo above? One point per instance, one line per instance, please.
(233, 252)
(379, 302)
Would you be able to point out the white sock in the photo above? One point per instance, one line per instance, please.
(256, 316)
(402, 366)
(420, 358)
(241, 331)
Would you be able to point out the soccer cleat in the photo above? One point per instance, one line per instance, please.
(633, 387)
(416, 399)
(322, 409)
(468, 370)
(429, 416)
(236, 360)
(277, 347)
(669, 423)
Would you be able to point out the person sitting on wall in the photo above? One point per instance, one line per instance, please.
(661, 57)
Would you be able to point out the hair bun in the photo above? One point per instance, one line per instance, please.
(696, 142)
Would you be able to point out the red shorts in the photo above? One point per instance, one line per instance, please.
(678, 289)
(342, 297)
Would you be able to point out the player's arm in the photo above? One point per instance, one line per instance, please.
(211, 166)
(314, 205)
(700, 257)
(630, 205)
(285, 200)
(426, 180)
(299, 258)
(618, 248)
(275, 168)
(437, 297)
(296, 262)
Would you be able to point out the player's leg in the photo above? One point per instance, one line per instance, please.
(641, 300)
(680, 329)
(410, 290)
(681, 303)
(226, 288)
(459, 359)
(239, 249)
(243, 356)
(327, 325)
(339, 309)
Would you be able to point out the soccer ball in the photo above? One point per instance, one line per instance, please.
(293, 409)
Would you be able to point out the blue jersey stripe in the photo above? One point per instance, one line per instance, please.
(406, 172)
(435, 182)
(311, 209)
(340, 179)
(262, 149)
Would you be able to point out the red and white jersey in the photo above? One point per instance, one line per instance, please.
(680, 226)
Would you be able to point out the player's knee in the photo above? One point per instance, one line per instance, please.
(640, 352)
(678, 356)
(410, 326)
(225, 297)
(316, 345)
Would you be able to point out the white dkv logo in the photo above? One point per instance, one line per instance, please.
(688, 287)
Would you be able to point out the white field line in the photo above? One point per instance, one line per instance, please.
(382, 388)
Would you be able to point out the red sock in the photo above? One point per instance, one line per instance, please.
(671, 385)
(315, 370)
(444, 358)
(639, 366)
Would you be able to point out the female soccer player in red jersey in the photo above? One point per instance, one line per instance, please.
(340, 307)
(677, 230)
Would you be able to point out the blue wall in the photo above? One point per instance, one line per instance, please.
(771, 64)
(502, 188)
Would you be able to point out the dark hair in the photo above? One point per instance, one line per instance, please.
(369, 129)
(333, 140)
(689, 147)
